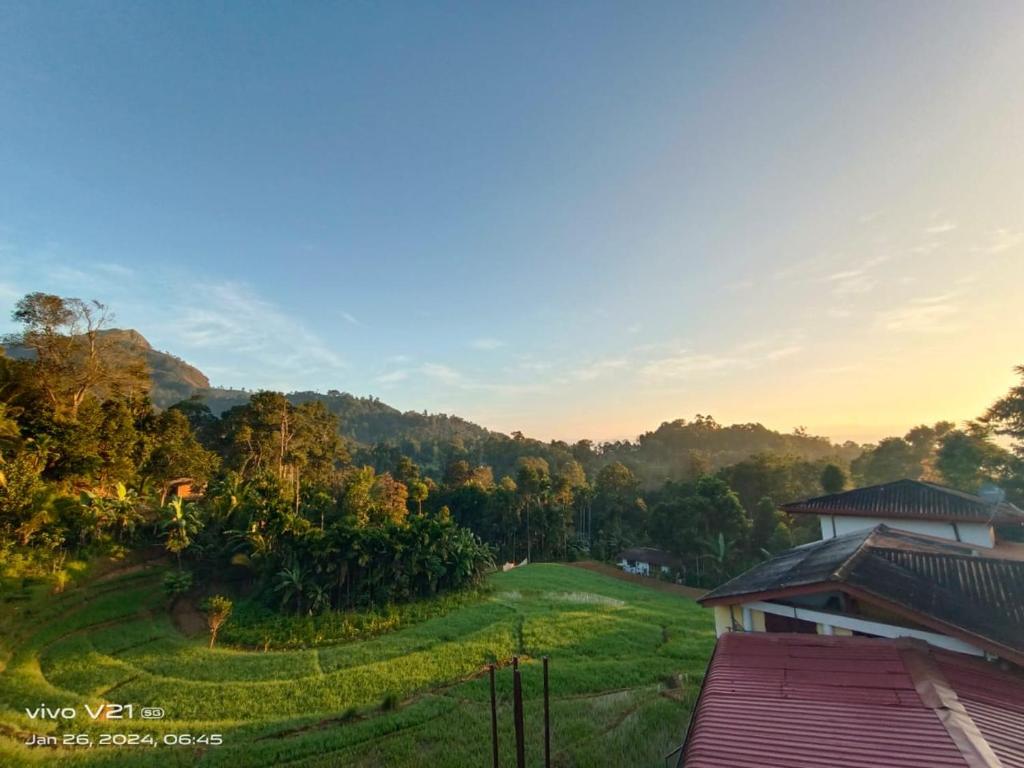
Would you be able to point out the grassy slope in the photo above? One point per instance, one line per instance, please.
(626, 663)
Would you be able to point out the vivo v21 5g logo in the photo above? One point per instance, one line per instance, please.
(98, 712)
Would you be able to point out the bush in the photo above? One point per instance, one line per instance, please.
(256, 626)
(177, 583)
(217, 610)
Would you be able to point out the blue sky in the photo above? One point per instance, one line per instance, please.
(574, 219)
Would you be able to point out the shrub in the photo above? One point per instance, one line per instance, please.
(217, 610)
(177, 583)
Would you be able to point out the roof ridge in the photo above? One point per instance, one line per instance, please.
(938, 695)
(844, 568)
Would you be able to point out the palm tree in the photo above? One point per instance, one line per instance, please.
(291, 584)
(124, 514)
(719, 551)
(319, 598)
(180, 527)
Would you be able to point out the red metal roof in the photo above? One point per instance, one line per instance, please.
(809, 701)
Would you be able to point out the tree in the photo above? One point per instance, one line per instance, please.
(118, 513)
(533, 479)
(217, 610)
(418, 491)
(180, 527)
(291, 583)
(833, 479)
(893, 459)
(388, 499)
(176, 452)
(1006, 415)
(901, 458)
(74, 354)
(967, 458)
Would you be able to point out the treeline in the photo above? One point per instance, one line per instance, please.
(316, 521)
(88, 466)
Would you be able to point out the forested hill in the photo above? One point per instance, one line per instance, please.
(676, 450)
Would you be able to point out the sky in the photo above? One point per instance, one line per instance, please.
(574, 219)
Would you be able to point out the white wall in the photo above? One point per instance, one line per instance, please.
(642, 569)
(829, 624)
(977, 534)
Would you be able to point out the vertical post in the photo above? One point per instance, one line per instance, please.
(547, 719)
(517, 714)
(494, 721)
(515, 662)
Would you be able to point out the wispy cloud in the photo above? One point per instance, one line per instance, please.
(443, 373)
(117, 270)
(392, 377)
(687, 364)
(927, 314)
(1001, 240)
(349, 318)
(486, 344)
(233, 321)
(940, 228)
(592, 370)
(850, 282)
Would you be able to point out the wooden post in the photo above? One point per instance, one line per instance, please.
(547, 719)
(517, 714)
(494, 721)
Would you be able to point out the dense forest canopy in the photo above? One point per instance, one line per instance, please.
(329, 501)
(676, 450)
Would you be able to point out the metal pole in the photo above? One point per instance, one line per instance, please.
(515, 662)
(494, 721)
(547, 719)
(517, 713)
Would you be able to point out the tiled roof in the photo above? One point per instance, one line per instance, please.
(809, 701)
(979, 596)
(910, 500)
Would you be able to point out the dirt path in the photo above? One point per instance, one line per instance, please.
(643, 581)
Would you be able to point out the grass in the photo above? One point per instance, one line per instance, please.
(626, 664)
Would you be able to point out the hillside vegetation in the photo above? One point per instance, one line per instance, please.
(676, 450)
(626, 664)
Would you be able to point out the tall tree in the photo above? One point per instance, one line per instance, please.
(967, 458)
(833, 479)
(73, 355)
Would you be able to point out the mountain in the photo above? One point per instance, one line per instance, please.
(434, 439)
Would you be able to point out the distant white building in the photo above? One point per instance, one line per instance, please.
(910, 505)
(644, 561)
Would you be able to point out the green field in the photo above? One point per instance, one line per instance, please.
(626, 664)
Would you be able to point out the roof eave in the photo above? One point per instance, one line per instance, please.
(999, 519)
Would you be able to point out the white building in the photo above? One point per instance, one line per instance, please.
(645, 561)
(910, 505)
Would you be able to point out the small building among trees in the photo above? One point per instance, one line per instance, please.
(645, 561)
(184, 488)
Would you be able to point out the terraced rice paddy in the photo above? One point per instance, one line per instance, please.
(626, 664)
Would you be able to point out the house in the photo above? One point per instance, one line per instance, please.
(911, 505)
(184, 488)
(897, 639)
(647, 560)
(882, 582)
(811, 701)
